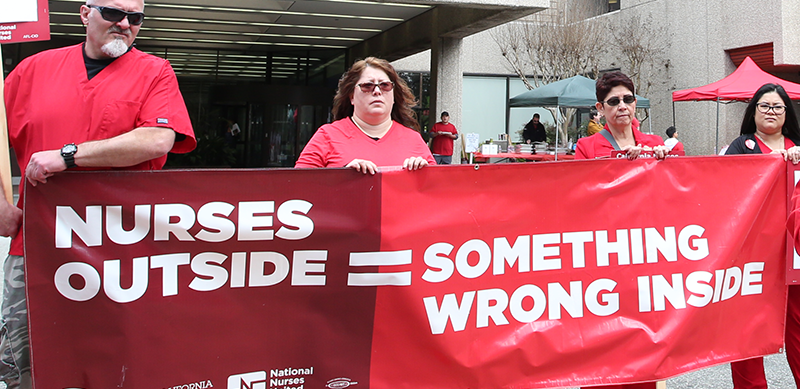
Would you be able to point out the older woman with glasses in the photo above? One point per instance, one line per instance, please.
(616, 101)
(770, 127)
(374, 124)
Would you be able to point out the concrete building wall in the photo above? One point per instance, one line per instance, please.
(480, 56)
(696, 58)
(789, 49)
(699, 33)
(698, 54)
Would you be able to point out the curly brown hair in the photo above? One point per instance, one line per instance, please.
(404, 99)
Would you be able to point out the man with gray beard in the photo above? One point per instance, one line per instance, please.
(98, 105)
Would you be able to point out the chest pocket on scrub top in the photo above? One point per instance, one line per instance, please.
(118, 118)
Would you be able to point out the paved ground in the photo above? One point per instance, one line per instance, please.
(718, 377)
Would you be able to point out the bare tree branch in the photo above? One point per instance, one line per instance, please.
(569, 39)
(642, 46)
(563, 41)
(511, 43)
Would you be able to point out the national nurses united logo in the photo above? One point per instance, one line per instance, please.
(254, 380)
(286, 378)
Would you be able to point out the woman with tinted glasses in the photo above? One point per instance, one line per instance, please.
(373, 124)
(770, 126)
(617, 103)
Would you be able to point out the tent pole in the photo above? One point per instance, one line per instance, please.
(558, 117)
(716, 143)
(673, 113)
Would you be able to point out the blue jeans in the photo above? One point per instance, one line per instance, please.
(443, 159)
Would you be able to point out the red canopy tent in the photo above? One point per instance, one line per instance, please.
(740, 85)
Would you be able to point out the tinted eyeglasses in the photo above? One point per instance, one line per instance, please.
(116, 15)
(368, 87)
(614, 101)
(764, 108)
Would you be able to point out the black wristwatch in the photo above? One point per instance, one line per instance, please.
(68, 153)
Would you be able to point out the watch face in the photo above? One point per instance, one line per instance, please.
(69, 149)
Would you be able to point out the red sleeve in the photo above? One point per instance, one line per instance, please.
(678, 147)
(418, 146)
(430, 159)
(164, 107)
(591, 147)
(315, 154)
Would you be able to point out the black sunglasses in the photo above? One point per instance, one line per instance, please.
(368, 87)
(116, 15)
(614, 101)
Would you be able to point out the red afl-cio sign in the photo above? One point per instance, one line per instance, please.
(24, 21)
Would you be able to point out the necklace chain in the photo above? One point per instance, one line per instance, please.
(783, 142)
(383, 132)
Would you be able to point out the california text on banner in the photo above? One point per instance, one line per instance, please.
(486, 276)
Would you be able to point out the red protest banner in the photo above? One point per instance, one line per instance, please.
(143, 286)
(530, 275)
(793, 259)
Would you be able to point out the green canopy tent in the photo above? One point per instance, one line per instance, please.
(573, 92)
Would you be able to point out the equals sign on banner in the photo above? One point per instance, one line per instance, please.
(389, 258)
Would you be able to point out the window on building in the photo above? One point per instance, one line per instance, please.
(420, 85)
(613, 5)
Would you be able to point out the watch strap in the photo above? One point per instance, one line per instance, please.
(69, 160)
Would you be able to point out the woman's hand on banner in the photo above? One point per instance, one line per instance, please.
(363, 166)
(633, 152)
(791, 154)
(414, 163)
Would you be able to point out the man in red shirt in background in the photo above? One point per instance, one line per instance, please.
(443, 134)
